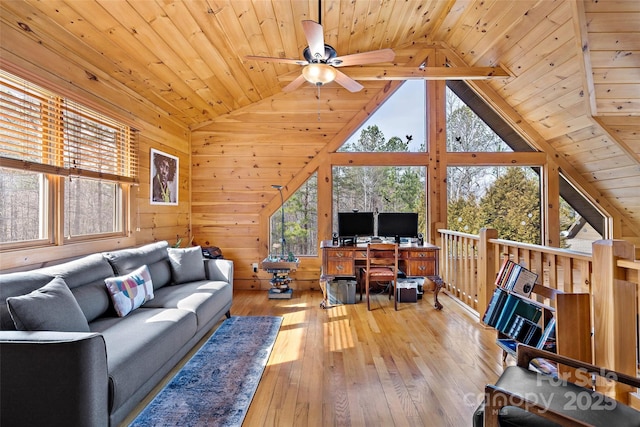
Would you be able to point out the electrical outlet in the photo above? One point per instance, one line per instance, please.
(255, 267)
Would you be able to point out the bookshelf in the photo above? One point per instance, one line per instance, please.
(516, 314)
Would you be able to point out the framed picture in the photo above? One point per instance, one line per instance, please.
(164, 178)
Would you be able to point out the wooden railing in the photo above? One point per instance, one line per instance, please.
(463, 273)
(459, 266)
(469, 265)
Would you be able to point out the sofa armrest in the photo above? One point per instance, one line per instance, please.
(219, 269)
(53, 379)
(525, 354)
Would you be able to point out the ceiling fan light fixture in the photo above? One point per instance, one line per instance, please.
(319, 74)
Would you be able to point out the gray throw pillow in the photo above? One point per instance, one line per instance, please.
(50, 308)
(187, 264)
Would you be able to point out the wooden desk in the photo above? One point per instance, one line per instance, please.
(415, 261)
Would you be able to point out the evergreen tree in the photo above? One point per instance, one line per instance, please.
(512, 206)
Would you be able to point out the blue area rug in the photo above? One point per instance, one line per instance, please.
(216, 386)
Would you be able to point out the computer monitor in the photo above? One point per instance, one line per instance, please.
(400, 224)
(352, 224)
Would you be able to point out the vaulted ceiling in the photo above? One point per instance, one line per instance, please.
(574, 66)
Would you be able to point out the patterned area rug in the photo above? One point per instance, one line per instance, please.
(216, 386)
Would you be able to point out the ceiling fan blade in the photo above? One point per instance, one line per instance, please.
(347, 82)
(371, 57)
(275, 59)
(295, 84)
(315, 37)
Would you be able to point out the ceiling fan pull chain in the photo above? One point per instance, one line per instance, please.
(318, 86)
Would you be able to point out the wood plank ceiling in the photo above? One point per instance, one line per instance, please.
(574, 86)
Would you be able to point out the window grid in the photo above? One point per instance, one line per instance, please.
(57, 140)
(59, 136)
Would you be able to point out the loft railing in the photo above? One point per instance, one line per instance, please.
(564, 270)
(469, 265)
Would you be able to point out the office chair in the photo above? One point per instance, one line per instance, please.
(382, 266)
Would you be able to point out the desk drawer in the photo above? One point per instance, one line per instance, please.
(418, 255)
(360, 254)
(421, 268)
(339, 253)
(339, 267)
(338, 262)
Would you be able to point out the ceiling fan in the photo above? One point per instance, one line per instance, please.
(321, 61)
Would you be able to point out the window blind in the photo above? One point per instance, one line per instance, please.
(44, 132)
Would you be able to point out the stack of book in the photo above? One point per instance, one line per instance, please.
(525, 331)
(513, 314)
(515, 278)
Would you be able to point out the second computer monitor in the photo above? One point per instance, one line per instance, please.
(398, 224)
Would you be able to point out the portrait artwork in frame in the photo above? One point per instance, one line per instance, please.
(164, 178)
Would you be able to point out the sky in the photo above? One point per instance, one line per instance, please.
(402, 114)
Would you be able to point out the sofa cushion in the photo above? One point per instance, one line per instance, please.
(15, 284)
(153, 255)
(85, 277)
(139, 344)
(187, 264)
(130, 291)
(50, 308)
(204, 298)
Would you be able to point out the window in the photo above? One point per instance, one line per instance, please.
(468, 132)
(23, 199)
(300, 222)
(91, 207)
(504, 198)
(380, 189)
(401, 119)
(57, 152)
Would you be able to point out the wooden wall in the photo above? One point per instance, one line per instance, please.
(65, 75)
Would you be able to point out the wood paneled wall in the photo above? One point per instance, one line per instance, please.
(66, 76)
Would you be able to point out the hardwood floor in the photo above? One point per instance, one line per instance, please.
(345, 366)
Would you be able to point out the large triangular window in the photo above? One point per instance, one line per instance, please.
(399, 124)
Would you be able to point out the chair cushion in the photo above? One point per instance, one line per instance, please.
(563, 397)
(377, 272)
(50, 308)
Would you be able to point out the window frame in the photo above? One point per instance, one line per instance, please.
(43, 130)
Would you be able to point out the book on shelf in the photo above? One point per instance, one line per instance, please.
(516, 327)
(513, 274)
(517, 307)
(504, 317)
(524, 282)
(503, 278)
(532, 336)
(502, 271)
(507, 344)
(547, 338)
(515, 278)
(494, 308)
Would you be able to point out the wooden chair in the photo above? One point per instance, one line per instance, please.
(382, 266)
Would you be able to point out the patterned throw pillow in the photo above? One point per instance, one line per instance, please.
(131, 291)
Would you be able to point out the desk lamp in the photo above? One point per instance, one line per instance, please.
(279, 188)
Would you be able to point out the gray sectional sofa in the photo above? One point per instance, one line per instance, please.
(68, 358)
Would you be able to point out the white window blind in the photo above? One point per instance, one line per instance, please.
(43, 132)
